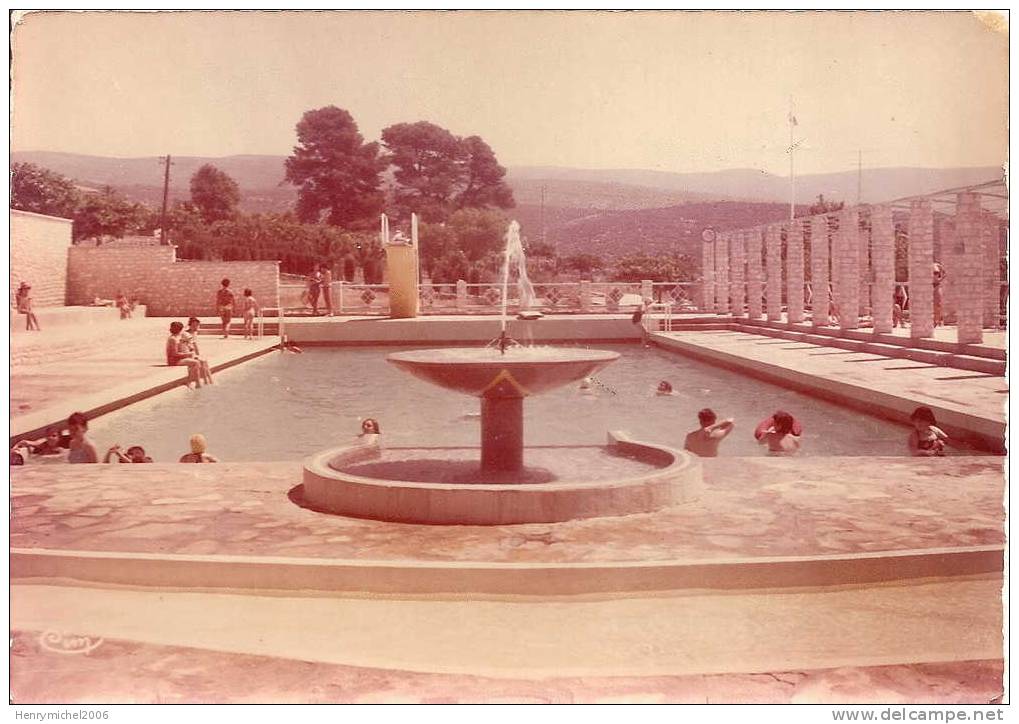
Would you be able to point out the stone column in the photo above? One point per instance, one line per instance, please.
(722, 274)
(708, 276)
(969, 256)
(847, 278)
(753, 239)
(773, 248)
(794, 271)
(992, 271)
(921, 264)
(882, 248)
(647, 289)
(461, 294)
(819, 269)
(951, 261)
(866, 267)
(737, 273)
(585, 295)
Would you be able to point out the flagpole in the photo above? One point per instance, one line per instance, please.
(792, 175)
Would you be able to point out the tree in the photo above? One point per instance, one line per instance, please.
(336, 173)
(438, 173)
(583, 264)
(482, 177)
(214, 193)
(637, 267)
(42, 191)
(825, 207)
(107, 214)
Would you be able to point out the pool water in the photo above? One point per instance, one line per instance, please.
(288, 406)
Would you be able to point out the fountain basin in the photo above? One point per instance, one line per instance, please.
(485, 372)
(448, 487)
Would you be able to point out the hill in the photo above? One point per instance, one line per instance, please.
(673, 229)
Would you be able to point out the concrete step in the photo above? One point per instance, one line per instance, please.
(868, 335)
(941, 354)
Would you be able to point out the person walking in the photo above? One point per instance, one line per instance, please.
(225, 306)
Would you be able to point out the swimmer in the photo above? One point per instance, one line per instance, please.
(780, 432)
(664, 388)
(927, 439)
(370, 426)
(704, 440)
(135, 454)
(198, 454)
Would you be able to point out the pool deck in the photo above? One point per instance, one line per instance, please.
(211, 584)
(99, 368)
(284, 638)
(756, 507)
(969, 404)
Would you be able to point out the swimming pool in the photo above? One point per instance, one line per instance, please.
(287, 406)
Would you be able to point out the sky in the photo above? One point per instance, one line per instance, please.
(671, 91)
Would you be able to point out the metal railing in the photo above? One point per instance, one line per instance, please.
(486, 298)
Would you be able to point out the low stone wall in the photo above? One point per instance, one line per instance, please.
(168, 287)
(39, 247)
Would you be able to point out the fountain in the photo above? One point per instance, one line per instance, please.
(451, 485)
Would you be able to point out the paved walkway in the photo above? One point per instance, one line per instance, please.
(123, 671)
(96, 368)
(750, 507)
(671, 633)
(969, 401)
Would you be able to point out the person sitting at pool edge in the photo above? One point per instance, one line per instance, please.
(198, 454)
(190, 340)
(704, 440)
(178, 353)
(780, 432)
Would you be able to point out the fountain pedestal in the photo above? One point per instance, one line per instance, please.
(502, 434)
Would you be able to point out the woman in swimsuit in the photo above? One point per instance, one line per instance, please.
(250, 310)
(81, 448)
(198, 454)
(179, 353)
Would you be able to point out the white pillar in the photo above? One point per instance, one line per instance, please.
(708, 275)
(921, 265)
(794, 271)
(773, 259)
(882, 231)
(753, 239)
(819, 269)
(737, 273)
(847, 280)
(722, 274)
(970, 284)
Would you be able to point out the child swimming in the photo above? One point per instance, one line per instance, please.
(926, 439)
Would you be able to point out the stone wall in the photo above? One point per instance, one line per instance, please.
(39, 247)
(168, 287)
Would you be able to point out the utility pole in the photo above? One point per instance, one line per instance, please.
(166, 194)
(542, 216)
(859, 177)
(792, 174)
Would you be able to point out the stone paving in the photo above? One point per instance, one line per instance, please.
(975, 400)
(751, 507)
(120, 671)
(86, 368)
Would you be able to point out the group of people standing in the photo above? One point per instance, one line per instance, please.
(320, 284)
